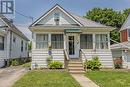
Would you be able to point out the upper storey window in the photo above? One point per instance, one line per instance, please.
(56, 18)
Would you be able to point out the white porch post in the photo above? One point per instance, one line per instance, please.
(94, 42)
(49, 39)
(108, 35)
(33, 41)
(65, 41)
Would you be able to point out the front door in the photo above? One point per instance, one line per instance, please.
(73, 46)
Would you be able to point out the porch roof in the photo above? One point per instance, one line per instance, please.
(73, 31)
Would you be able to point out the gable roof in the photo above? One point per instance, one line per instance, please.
(83, 22)
(126, 24)
(87, 22)
(53, 8)
(12, 27)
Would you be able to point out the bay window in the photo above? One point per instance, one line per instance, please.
(41, 41)
(86, 41)
(101, 41)
(1, 43)
(57, 41)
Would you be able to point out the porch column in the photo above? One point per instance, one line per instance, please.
(65, 41)
(49, 39)
(94, 42)
(108, 36)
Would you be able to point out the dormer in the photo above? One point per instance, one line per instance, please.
(125, 31)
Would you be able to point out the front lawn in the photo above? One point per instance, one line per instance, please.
(46, 79)
(110, 78)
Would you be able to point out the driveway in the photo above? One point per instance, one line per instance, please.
(8, 76)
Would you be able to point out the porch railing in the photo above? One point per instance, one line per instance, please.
(66, 58)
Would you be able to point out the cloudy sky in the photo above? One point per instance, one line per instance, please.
(35, 8)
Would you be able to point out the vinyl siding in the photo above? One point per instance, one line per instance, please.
(39, 57)
(105, 57)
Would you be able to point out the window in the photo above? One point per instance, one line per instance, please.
(86, 41)
(22, 46)
(101, 41)
(41, 41)
(57, 41)
(57, 18)
(1, 43)
(14, 39)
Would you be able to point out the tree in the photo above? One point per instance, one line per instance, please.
(109, 17)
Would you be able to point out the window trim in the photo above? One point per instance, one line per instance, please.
(52, 41)
(43, 41)
(100, 41)
(92, 40)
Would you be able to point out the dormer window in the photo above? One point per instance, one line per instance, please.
(56, 18)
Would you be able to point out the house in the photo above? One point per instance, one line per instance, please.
(122, 50)
(71, 37)
(13, 43)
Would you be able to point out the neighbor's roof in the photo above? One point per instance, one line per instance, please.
(126, 24)
(81, 20)
(12, 27)
(124, 45)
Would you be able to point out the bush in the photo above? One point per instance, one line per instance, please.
(93, 64)
(49, 60)
(14, 63)
(55, 65)
(118, 63)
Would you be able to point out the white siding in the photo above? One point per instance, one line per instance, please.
(64, 19)
(105, 57)
(2, 57)
(16, 47)
(39, 57)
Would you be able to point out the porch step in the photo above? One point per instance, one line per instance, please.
(77, 72)
(75, 67)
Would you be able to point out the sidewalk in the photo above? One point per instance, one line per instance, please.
(8, 76)
(84, 81)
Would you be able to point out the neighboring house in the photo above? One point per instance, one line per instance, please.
(69, 35)
(13, 43)
(122, 50)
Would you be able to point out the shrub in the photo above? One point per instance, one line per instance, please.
(49, 60)
(93, 64)
(118, 63)
(55, 65)
(14, 63)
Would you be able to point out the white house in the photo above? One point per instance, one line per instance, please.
(13, 43)
(123, 49)
(72, 37)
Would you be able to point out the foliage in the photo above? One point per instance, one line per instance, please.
(109, 17)
(27, 65)
(55, 65)
(47, 79)
(14, 63)
(110, 78)
(49, 59)
(118, 63)
(93, 64)
(30, 46)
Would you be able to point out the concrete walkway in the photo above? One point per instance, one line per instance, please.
(84, 81)
(8, 76)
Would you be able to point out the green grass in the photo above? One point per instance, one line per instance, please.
(27, 65)
(46, 79)
(110, 78)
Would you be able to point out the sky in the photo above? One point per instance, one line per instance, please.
(35, 8)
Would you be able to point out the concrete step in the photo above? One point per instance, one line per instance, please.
(76, 68)
(72, 62)
(77, 72)
(75, 65)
